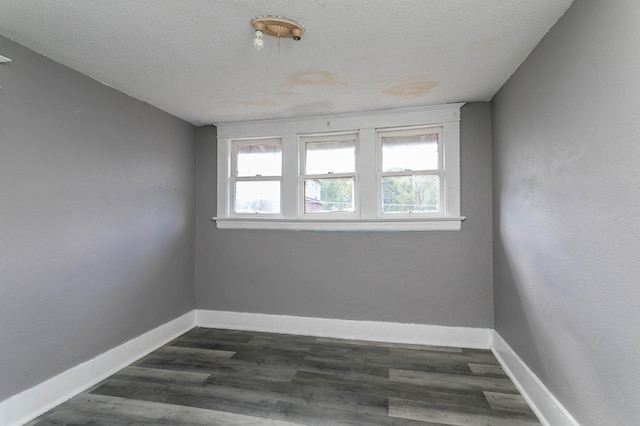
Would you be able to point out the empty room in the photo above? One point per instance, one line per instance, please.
(329, 212)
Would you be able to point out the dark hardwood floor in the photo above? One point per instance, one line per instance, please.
(223, 377)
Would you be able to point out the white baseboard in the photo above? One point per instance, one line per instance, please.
(37, 400)
(420, 334)
(548, 409)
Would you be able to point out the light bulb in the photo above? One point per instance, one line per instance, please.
(258, 42)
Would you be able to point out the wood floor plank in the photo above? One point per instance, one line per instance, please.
(507, 402)
(351, 343)
(487, 370)
(218, 334)
(195, 353)
(253, 371)
(109, 410)
(306, 394)
(67, 417)
(393, 360)
(203, 343)
(279, 340)
(448, 357)
(387, 389)
(421, 411)
(212, 398)
(480, 356)
(452, 381)
(161, 375)
(185, 358)
(317, 416)
(301, 361)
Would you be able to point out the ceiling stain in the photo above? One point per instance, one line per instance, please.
(411, 90)
(258, 102)
(208, 111)
(230, 116)
(315, 78)
(480, 44)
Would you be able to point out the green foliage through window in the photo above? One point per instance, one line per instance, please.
(413, 193)
(329, 195)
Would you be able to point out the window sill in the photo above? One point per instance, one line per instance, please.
(404, 224)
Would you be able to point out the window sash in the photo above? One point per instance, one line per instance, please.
(324, 166)
(234, 178)
(411, 131)
(237, 143)
(329, 137)
(278, 203)
(321, 202)
(412, 213)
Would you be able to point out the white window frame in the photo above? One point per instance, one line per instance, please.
(412, 130)
(368, 202)
(233, 178)
(303, 139)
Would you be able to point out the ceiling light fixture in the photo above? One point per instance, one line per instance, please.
(275, 26)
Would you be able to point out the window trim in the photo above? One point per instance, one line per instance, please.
(367, 126)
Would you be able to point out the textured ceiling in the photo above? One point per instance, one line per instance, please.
(195, 58)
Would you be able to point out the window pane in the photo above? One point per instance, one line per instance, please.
(330, 157)
(417, 152)
(259, 160)
(328, 195)
(404, 194)
(257, 197)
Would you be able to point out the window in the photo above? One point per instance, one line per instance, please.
(327, 180)
(411, 171)
(387, 170)
(256, 176)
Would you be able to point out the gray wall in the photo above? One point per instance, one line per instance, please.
(567, 192)
(440, 277)
(96, 218)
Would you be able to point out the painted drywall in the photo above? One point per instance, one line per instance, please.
(567, 192)
(435, 277)
(97, 207)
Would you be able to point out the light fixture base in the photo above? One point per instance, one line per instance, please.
(277, 26)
